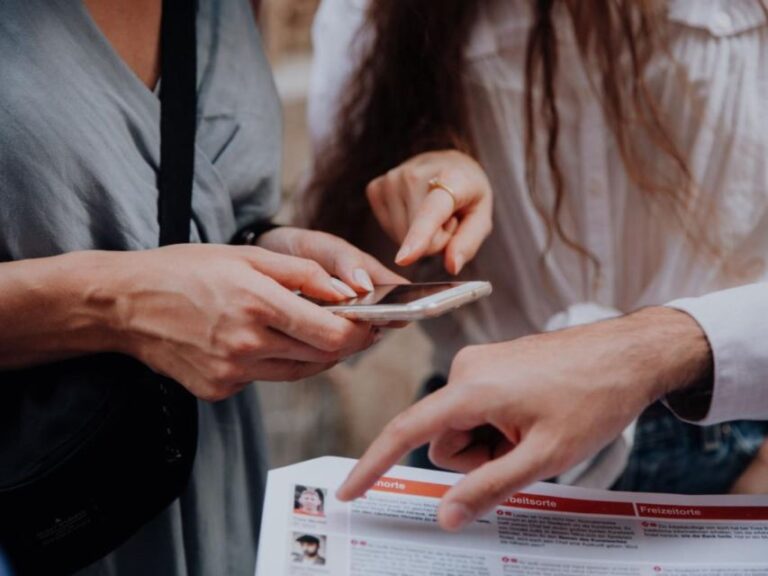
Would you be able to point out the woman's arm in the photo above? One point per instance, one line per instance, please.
(214, 318)
(51, 309)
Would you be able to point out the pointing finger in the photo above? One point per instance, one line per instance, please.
(412, 428)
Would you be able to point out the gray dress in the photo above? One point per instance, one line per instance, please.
(79, 148)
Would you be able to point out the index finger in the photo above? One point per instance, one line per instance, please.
(436, 210)
(309, 323)
(412, 428)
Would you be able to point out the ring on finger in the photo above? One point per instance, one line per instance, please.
(437, 184)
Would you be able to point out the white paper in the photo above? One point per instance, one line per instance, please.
(544, 531)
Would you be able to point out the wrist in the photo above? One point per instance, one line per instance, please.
(250, 235)
(676, 353)
(93, 281)
(282, 239)
(48, 313)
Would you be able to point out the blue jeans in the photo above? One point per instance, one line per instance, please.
(670, 455)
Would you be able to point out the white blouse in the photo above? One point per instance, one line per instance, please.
(717, 111)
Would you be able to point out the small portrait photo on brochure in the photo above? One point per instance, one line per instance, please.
(309, 501)
(308, 549)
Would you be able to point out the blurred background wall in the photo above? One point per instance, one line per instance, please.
(340, 412)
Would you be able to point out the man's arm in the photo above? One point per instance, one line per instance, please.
(543, 403)
(548, 401)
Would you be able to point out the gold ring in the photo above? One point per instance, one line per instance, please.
(437, 184)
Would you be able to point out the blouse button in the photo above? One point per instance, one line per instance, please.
(721, 23)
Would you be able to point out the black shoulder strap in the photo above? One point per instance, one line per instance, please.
(178, 119)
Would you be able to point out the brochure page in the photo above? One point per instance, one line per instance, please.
(546, 530)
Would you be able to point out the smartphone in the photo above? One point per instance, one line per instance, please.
(409, 302)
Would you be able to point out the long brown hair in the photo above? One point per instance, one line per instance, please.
(407, 97)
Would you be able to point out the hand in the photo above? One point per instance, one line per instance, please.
(517, 412)
(355, 268)
(754, 480)
(428, 222)
(214, 318)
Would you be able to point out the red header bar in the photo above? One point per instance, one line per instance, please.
(669, 512)
(556, 504)
(521, 500)
(578, 506)
(410, 487)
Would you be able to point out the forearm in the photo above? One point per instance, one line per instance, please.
(672, 348)
(55, 308)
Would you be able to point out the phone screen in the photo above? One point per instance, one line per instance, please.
(398, 294)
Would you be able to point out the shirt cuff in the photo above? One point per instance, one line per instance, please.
(735, 322)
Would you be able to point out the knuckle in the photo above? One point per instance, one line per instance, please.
(313, 270)
(436, 455)
(211, 393)
(268, 316)
(329, 357)
(398, 430)
(554, 456)
(224, 374)
(295, 370)
(254, 308)
(464, 360)
(412, 178)
(336, 339)
(496, 489)
(373, 189)
(453, 155)
(290, 323)
(245, 345)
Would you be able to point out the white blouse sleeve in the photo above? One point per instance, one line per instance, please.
(336, 50)
(736, 323)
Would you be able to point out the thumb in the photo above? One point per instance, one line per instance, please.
(493, 482)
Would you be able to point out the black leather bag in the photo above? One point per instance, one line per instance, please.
(93, 448)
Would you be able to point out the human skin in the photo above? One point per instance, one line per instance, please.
(212, 317)
(543, 403)
(309, 501)
(310, 550)
(424, 222)
(412, 214)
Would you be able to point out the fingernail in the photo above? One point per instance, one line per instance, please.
(403, 253)
(342, 288)
(458, 260)
(455, 516)
(362, 278)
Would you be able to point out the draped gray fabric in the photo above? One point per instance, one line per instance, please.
(79, 151)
